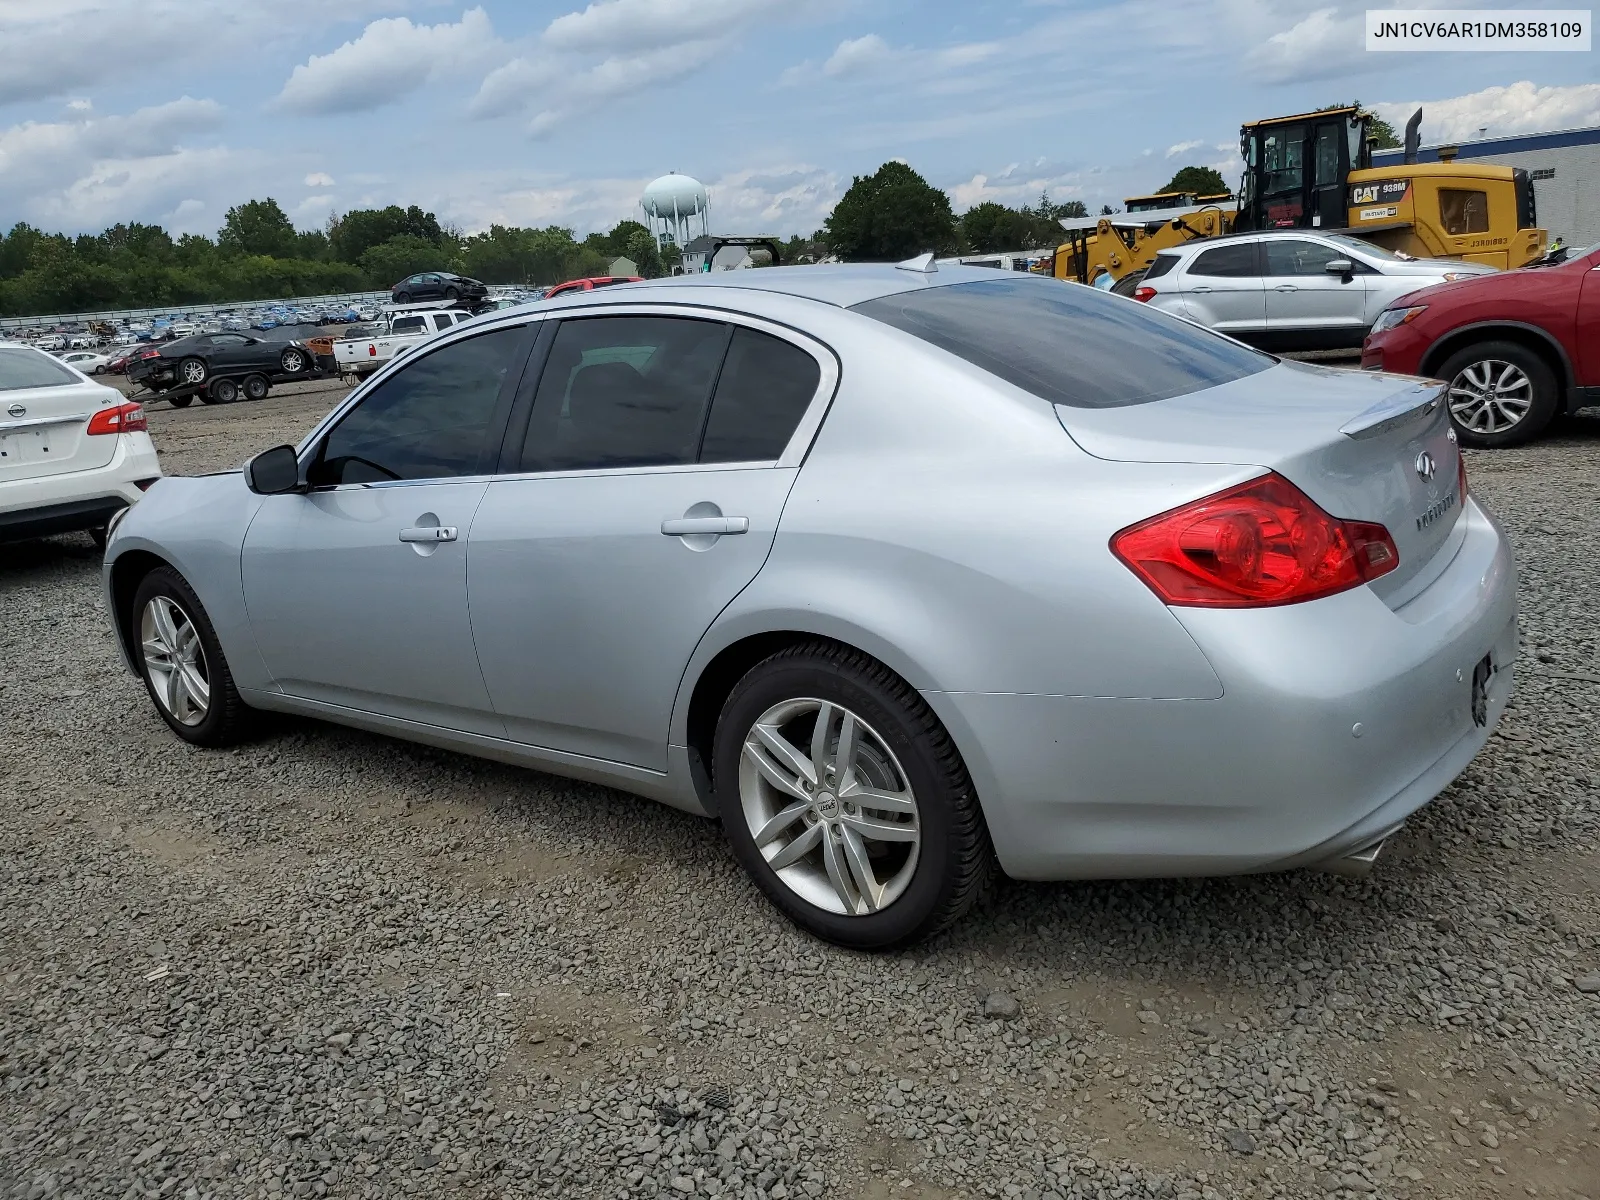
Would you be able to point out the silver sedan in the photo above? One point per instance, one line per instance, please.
(899, 572)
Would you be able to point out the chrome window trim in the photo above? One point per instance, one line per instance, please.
(794, 453)
(36, 422)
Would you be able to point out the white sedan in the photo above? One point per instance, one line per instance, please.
(87, 361)
(73, 453)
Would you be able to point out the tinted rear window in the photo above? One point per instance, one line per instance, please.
(1161, 265)
(31, 369)
(1066, 343)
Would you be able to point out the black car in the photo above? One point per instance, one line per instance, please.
(437, 285)
(193, 360)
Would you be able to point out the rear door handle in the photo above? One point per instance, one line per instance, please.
(1286, 287)
(428, 533)
(689, 526)
(1200, 289)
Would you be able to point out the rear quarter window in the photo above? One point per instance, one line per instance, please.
(23, 368)
(1066, 343)
(1161, 265)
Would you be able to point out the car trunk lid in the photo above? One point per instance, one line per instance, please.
(44, 430)
(1364, 446)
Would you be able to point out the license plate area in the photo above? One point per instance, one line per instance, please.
(1481, 674)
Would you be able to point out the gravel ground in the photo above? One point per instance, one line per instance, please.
(331, 964)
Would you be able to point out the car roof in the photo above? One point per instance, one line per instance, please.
(841, 284)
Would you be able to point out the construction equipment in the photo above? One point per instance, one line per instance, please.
(1314, 171)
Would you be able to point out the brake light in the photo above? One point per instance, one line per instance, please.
(1259, 544)
(372, 351)
(1143, 293)
(151, 354)
(120, 418)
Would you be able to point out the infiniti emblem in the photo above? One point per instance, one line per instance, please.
(1426, 466)
(17, 410)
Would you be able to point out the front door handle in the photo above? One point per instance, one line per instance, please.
(1201, 290)
(1286, 287)
(690, 526)
(428, 533)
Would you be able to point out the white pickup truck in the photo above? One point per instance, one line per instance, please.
(403, 330)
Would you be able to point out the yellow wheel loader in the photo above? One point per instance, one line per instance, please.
(1314, 171)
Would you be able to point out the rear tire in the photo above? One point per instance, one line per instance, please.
(223, 391)
(192, 371)
(1500, 394)
(179, 401)
(181, 661)
(256, 387)
(1128, 284)
(939, 859)
(402, 297)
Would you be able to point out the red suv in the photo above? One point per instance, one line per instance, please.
(1518, 347)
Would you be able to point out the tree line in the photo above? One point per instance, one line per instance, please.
(258, 254)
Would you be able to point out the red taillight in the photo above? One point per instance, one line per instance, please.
(372, 351)
(1143, 293)
(121, 418)
(1259, 544)
(151, 354)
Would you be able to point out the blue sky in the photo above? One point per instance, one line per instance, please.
(546, 112)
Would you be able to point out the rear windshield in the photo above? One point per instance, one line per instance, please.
(1066, 343)
(20, 368)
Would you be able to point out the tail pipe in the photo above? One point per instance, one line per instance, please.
(1356, 864)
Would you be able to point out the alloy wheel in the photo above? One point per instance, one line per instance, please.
(1490, 396)
(829, 807)
(194, 371)
(292, 361)
(175, 661)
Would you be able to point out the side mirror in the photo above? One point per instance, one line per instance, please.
(1339, 266)
(273, 472)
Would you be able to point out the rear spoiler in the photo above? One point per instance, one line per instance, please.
(1395, 409)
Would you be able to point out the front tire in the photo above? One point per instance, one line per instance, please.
(845, 800)
(452, 294)
(293, 361)
(1500, 394)
(182, 663)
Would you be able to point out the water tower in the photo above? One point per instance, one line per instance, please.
(675, 209)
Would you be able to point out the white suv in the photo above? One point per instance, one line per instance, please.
(73, 453)
(1291, 289)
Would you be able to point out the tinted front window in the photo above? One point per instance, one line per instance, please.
(431, 419)
(763, 391)
(1236, 261)
(31, 369)
(624, 392)
(1066, 343)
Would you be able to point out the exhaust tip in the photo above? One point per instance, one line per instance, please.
(1357, 864)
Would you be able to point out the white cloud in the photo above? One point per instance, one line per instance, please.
(319, 179)
(391, 58)
(1184, 147)
(62, 47)
(1521, 107)
(86, 174)
(80, 105)
(1322, 43)
(857, 54)
(610, 26)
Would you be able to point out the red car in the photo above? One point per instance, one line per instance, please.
(1518, 347)
(588, 285)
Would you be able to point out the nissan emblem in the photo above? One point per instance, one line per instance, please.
(17, 410)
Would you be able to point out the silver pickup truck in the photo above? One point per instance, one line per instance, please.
(402, 331)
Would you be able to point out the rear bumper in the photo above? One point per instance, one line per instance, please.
(54, 504)
(1273, 774)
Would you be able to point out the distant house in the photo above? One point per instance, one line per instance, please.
(623, 267)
